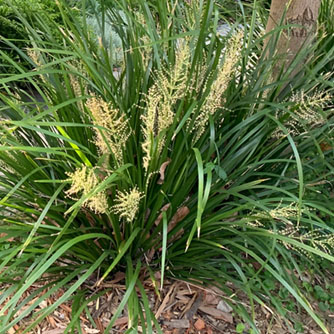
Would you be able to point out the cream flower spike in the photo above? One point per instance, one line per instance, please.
(83, 181)
(117, 132)
(127, 204)
(214, 100)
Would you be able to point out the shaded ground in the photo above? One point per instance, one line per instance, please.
(182, 308)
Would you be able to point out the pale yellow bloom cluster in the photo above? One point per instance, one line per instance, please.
(288, 216)
(215, 99)
(75, 84)
(281, 213)
(323, 242)
(191, 9)
(284, 212)
(308, 107)
(145, 50)
(34, 56)
(159, 113)
(305, 113)
(127, 204)
(113, 139)
(320, 241)
(83, 181)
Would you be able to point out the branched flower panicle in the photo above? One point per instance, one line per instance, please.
(168, 88)
(34, 56)
(284, 212)
(308, 107)
(83, 181)
(305, 113)
(190, 9)
(215, 99)
(144, 39)
(75, 67)
(75, 84)
(323, 242)
(287, 215)
(116, 125)
(127, 204)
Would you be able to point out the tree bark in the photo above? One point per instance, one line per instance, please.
(303, 13)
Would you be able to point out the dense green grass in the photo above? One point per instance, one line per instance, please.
(97, 171)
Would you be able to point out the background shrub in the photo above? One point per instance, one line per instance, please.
(14, 29)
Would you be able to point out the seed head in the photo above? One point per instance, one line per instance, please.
(215, 99)
(34, 56)
(127, 204)
(116, 133)
(307, 112)
(75, 84)
(308, 107)
(159, 114)
(83, 180)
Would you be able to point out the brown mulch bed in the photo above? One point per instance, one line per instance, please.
(183, 308)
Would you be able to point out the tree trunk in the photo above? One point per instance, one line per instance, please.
(303, 13)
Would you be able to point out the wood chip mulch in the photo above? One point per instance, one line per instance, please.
(181, 308)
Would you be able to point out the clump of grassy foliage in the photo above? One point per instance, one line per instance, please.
(191, 161)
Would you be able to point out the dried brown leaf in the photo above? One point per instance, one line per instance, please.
(212, 311)
(99, 325)
(65, 308)
(191, 311)
(91, 331)
(118, 277)
(179, 215)
(183, 299)
(177, 323)
(55, 331)
(189, 306)
(164, 208)
(184, 292)
(52, 321)
(121, 321)
(162, 171)
(165, 301)
(211, 299)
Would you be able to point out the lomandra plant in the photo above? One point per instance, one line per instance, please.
(188, 160)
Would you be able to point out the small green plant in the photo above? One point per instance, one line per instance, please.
(240, 328)
(299, 328)
(320, 293)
